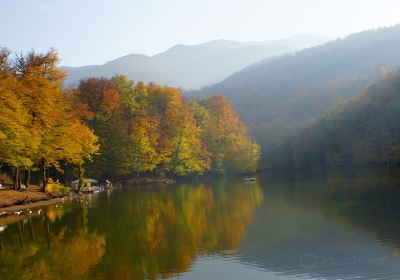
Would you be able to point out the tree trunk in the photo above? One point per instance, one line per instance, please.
(19, 179)
(43, 170)
(27, 178)
(16, 178)
(81, 179)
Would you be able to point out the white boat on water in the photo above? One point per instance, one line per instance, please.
(249, 179)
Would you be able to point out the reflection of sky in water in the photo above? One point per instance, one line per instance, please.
(327, 229)
(332, 228)
(328, 252)
(323, 250)
(228, 268)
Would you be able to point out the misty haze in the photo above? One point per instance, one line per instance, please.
(179, 139)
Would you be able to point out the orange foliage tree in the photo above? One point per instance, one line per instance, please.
(42, 126)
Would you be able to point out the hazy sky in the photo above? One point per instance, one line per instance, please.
(95, 31)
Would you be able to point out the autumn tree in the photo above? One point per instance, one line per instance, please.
(42, 95)
(97, 99)
(144, 135)
(190, 154)
(99, 104)
(180, 149)
(79, 144)
(227, 139)
(17, 139)
(36, 124)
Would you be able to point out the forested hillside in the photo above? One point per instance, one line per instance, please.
(362, 131)
(194, 66)
(281, 96)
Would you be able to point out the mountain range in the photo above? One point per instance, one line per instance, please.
(195, 66)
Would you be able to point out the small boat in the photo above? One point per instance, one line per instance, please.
(249, 179)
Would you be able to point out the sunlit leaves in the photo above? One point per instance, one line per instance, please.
(36, 124)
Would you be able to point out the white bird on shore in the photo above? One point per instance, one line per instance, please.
(39, 211)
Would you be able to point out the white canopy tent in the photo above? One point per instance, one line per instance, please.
(86, 181)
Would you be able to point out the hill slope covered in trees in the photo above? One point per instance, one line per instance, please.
(280, 96)
(362, 131)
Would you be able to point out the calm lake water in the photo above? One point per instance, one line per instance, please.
(311, 226)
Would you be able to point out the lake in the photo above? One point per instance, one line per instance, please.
(321, 225)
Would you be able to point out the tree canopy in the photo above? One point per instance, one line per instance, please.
(148, 128)
(36, 124)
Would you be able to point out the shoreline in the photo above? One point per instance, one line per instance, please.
(8, 215)
(13, 203)
(32, 205)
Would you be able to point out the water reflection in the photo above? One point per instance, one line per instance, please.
(309, 226)
(144, 233)
(330, 226)
(44, 246)
(165, 229)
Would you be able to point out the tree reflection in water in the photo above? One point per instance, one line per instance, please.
(136, 233)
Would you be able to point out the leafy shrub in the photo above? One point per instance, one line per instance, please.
(56, 189)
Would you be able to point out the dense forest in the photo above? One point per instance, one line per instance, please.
(281, 96)
(114, 128)
(364, 130)
(152, 129)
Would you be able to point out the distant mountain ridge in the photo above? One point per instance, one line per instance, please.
(194, 66)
